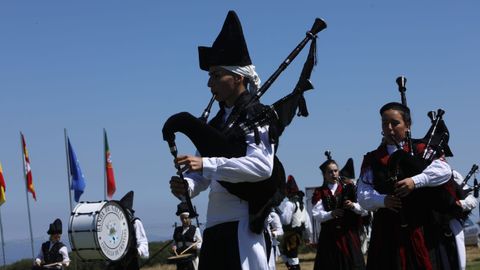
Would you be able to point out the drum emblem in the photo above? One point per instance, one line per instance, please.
(112, 229)
(112, 233)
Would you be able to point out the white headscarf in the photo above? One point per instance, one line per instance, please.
(249, 73)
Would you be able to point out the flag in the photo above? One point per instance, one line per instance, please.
(111, 187)
(27, 169)
(2, 186)
(78, 179)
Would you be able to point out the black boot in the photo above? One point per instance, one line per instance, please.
(293, 267)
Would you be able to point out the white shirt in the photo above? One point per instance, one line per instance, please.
(296, 218)
(319, 213)
(142, 241)
(274, 227)
(255, 166)
(470, 202)
(437, 173)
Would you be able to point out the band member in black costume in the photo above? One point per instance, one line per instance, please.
(53, 254)
(335, 206)
(397, 240)
(138, 237)
(228, 243)
(187, 239)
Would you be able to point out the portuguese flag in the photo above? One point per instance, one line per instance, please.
(110, 177)
(2, 186)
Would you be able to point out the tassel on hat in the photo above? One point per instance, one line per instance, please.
(329, 160)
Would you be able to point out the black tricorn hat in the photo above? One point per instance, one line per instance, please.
(127, 201)
(229, 49)
(348, 171)
(182, 208)
(55, 227)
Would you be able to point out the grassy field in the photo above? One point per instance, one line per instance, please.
(473, 258)
(473, 261)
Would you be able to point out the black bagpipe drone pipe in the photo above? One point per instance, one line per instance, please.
(465, 191)
(411, 161)
(210, 142)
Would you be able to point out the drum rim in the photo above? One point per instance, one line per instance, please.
(128, 229)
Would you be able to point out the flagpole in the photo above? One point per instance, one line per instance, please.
(26, 192)
(69, 181)
(3, 243)
(104, 165)
(68, 170)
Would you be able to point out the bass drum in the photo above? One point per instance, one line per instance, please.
(99, 231)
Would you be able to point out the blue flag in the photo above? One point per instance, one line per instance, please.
(78, 179)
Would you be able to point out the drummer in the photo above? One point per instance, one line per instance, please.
(138, 237)
(53, 254)
(188, 240)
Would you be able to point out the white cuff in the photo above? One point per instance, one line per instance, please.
(420, 180)
(209, 167)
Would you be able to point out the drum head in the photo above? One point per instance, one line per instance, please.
(112, 231)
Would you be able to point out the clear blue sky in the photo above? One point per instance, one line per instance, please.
(128, 65)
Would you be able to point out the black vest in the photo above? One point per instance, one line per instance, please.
(52, 255)
(334, 201)
(381, 181)
(422, 203)
(188, 236)
(132, 250)
(262, 195)
(130, 260)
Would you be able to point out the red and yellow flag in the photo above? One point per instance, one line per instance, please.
(2, 186)
(111, 186)
(27, 170)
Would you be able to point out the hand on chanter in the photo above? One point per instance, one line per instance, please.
(177, 186)
(404, 187)
(337, 213)
(191, 163)
(348, 204)
(392, 202)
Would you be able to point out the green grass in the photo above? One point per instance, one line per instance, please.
(474, 265)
